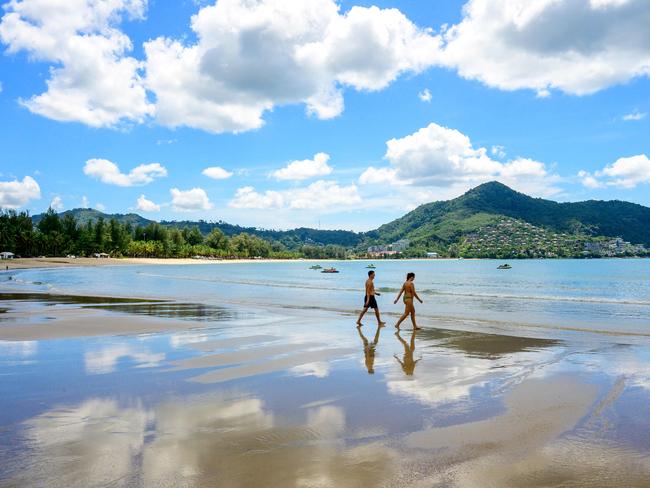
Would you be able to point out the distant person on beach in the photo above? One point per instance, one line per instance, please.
(407, 363)
(369, 300)
(369, 349)
(408, 289)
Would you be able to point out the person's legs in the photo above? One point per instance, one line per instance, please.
(403, 317)
(381, 324)
(363, 312)
(415, 326)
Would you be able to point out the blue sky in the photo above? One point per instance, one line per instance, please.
(343, 115)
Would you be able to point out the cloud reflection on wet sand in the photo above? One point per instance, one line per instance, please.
(104, 360)
(441, 408)
(218, 440)
(232, 439)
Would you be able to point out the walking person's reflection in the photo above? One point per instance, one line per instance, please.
(407, 363)
(369, 349)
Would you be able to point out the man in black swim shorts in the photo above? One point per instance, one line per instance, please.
(369, 300)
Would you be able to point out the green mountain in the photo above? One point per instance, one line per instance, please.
(446, 222)
(85, 215)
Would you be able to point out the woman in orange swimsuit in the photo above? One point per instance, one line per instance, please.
(408, 289)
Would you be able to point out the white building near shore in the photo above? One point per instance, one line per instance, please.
(7, 255)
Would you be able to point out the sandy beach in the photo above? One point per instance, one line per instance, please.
(31, 263)
(127, 391)
(34, 263)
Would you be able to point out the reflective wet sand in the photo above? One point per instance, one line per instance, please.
(38, 316)
(166, 394)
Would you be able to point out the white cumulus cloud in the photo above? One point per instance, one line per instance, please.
(145, 205)
(498, 151)
(217, 173)
(246, 57)
(91, 79)
(252, 56)
(588, 180)
(324, 194)
(577, 46)
(425, 95)
(56, 203)
(628, 172)
(319, 195)
(247, 197)
(108, 172)
(437, 156)
(190, 200)
(15, 194)
(374, 176)
(634, 116)
(304, 169)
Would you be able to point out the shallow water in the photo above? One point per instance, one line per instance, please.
(607, 295)
(256, 391)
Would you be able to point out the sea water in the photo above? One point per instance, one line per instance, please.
(604, 296)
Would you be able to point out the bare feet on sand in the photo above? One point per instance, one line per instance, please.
(414, 328)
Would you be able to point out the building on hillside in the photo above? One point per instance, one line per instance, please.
(7, 255)
(432, 255)
(396, 247)
(377, 249)
(593, 247)
(401, 245)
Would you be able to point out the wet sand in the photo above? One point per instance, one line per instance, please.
(32, 316)
(124, 392)
(33, 263)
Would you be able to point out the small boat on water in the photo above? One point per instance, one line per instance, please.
(371, 266)
(330, 270)
(504, 266)
(316, 266)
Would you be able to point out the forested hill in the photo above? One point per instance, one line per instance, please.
(446, 221)
(85, 215)
(290, 238)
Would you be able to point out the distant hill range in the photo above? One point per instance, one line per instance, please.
(447, 222)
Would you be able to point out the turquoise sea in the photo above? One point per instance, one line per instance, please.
(607, 295)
